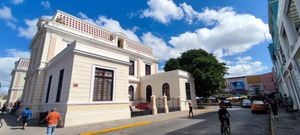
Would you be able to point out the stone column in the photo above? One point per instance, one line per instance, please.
(166, 108)
(153, 105)
(179, 102)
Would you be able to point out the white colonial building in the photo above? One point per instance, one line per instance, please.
(88, 73)
(284, 26)
(17, 81)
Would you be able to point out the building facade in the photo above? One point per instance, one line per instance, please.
(284, 26)
(17, 81)
(251, 85)
(268, 82)
(254, 84)
(236, 84)
(87, 72)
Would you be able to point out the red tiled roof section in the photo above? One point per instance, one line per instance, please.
(139, 48)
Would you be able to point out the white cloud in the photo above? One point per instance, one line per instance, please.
(229, 31)
(245, 66)
(5, 13)
(30, 29)
(111, 25)
(17, 53)
(163, 11)
(7, 16)
(86, 18)
(190, 13)
(46, 4)
(12, 55)
(159, 46)
(16, 2)
(11, 25)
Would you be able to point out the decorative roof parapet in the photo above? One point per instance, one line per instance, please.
(97, 32)
(80, 25)
(22, 63)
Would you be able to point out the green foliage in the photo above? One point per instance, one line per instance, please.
(172, 64)
(205, 68)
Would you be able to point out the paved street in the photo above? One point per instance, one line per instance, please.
(243, 122)
(12, 127)
(175, 123)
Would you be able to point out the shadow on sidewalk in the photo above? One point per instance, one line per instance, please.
(11, 121)
(287, 122)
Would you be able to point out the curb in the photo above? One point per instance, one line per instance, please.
(132, 125)
(118, 128)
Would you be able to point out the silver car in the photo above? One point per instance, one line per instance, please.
(246, 103)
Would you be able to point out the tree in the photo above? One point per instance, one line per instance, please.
(207, 71)
(172, 64)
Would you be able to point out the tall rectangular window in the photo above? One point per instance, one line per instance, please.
(48, 88)
(103, 85)
(60, 83)
(131, 68)
(148, 69)
(188, 91)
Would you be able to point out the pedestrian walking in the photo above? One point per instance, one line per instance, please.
(3, 109)
(25, 115)
(274, 108)
(53, 119)
(191, 110)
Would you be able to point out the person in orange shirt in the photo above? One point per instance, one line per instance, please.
(53, 119)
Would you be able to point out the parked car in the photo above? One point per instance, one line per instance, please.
(246, 103)
(227, 103)
(258, 106)
(143, 106)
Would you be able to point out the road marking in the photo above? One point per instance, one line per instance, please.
(118, 128)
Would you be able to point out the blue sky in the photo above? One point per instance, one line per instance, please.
(233, 30)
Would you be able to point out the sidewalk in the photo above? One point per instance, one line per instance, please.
(287, 123)
(11, 127)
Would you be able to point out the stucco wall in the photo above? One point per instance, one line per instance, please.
(136, 92)
(80, 97)
(184, 102)
(176, 80)
(94, 113)
(54, 69)
(17, 86)
(83, 75)
(157, 81)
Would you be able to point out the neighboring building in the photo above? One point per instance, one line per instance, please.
(284, 26)
(174, 84)
(254, 84)
(251, 85)
(17, 81)
(92, 75)
(237, 84)
(268, 82)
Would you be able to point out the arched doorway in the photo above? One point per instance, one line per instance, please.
(166, 90)
(148, 93)
(131, 92)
